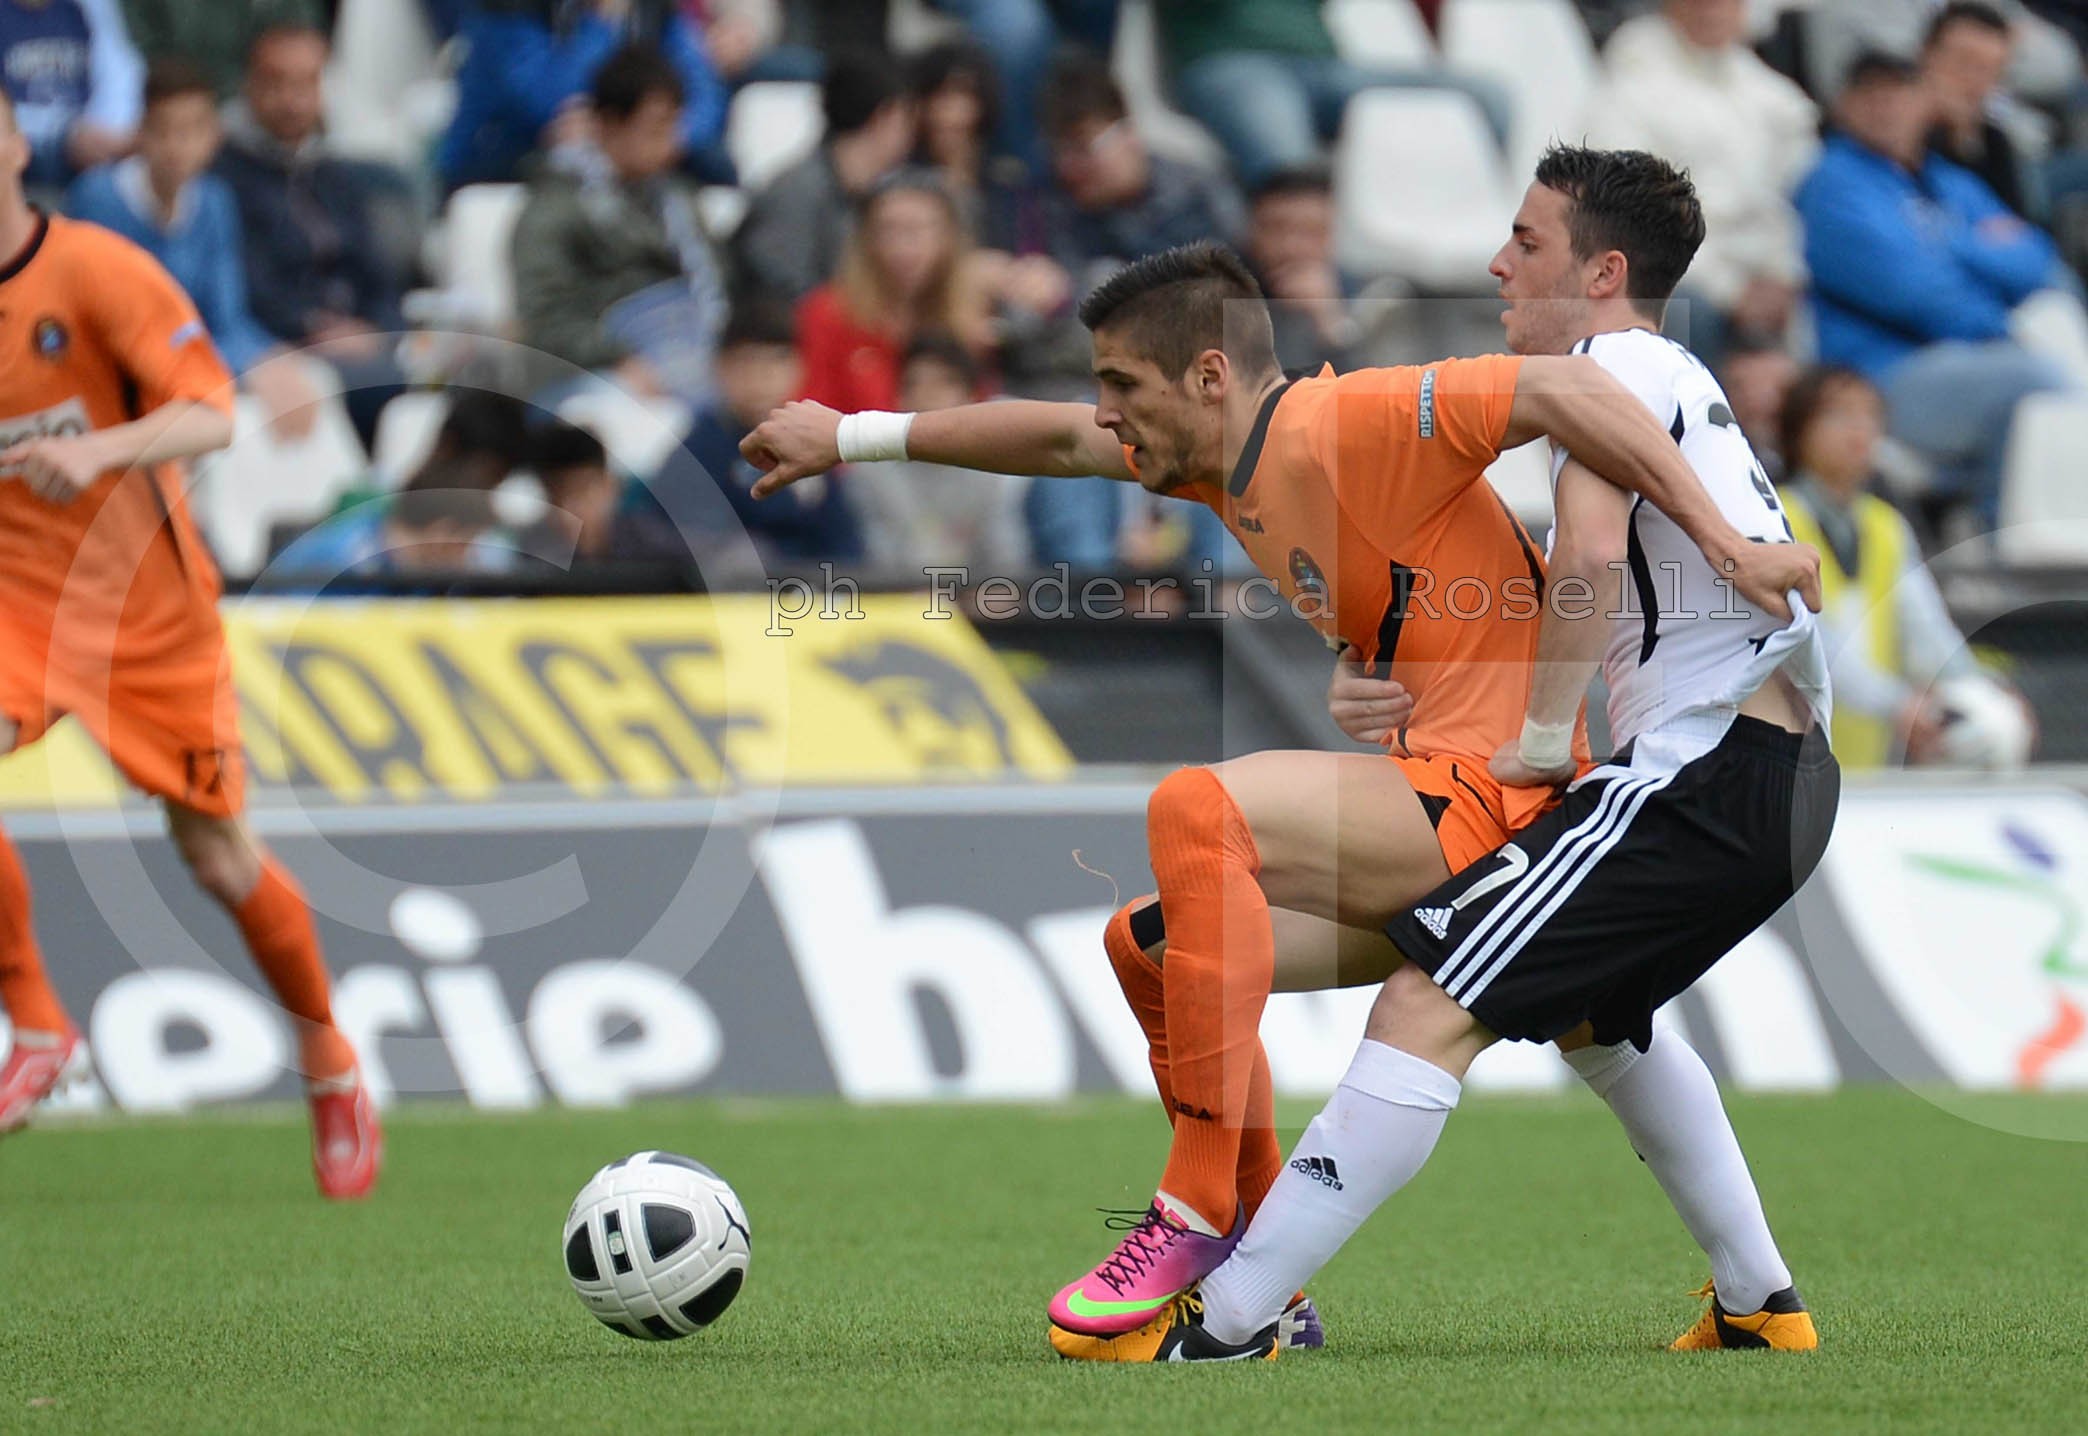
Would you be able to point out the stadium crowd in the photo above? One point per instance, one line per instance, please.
(688, 211)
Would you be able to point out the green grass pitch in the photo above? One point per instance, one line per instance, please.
(180, 1276)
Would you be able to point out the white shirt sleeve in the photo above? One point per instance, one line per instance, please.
(1931, 647)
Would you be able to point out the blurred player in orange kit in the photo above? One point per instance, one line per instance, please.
(108, 612)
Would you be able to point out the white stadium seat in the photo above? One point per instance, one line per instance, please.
(911, 27)
(477, 269)
(772, 124)
(638, 433)
(406, 432)
(385, 84)
(1388, 33)
(264, 479)
(1540, 50)
(2044, 507)
(1420, 189)
(1136, 63)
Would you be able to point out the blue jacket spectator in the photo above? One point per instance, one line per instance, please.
(200, 248)
(529, 62)
(1902, 258)
(1916, 268)
(75, 80)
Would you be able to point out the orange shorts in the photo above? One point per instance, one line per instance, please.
(1473, 814)
(165, 713)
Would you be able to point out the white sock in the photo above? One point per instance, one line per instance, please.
(1668, 1103)
(1366, 1143)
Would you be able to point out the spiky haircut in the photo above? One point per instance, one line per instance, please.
(1174, 305)
(1632, 202)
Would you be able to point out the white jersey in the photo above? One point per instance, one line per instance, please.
(1687, 649)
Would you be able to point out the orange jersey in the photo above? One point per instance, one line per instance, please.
(1364, 496)
(94, 333)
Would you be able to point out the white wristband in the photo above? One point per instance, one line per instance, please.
(1547, 747)
(872, 436)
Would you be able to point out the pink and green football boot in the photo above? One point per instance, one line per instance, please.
(1159, 1258)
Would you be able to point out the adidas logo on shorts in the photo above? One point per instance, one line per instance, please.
(1435, 919)
(1319, 1169)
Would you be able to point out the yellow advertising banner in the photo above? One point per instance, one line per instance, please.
(416, 700)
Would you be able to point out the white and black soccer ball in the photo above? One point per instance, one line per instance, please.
(657, 1245)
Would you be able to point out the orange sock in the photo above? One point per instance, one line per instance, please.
(1261, 1154)
(24, 989)
(1221, 963)
(1144, 988)
(277, 926)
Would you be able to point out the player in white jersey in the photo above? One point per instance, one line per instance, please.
(1714, 811)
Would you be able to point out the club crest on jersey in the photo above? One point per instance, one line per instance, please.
(50, 339)
(1305, 574)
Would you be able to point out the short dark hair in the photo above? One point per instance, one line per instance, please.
(1964, 12)
(557, 444)
(1802, 405)
(1632, 202)
(1078, 88)
(1172, 305)
(963, 61)
(760, 317)
(1313, 179)
(1871, 66)
(482, 423)
(172, 76)
(939, 347)
(856, 88)
(630, 77)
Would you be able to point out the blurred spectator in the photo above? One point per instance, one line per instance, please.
(1263, 76)
(905, 271)
(478, 444)
(165, 199)
(439, 523)
(586, 518)
(527, 68)
(1114, 201)
(956, 95)
(741, 37)
(1021, 36)
(918, 515)
(214, 34)
(1757, 378)
(1290, 248)
(758, 371)
(792, 236)
(1916, 266)
(613, 272)
(1889, 634)
(75, 80)
(1964, 59)
(1684, 85)
(316, 271)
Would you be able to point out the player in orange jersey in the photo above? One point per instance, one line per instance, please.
(108, 614)
(1363, 496)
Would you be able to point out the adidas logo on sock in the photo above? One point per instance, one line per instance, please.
(1319, 1169)
(1435, 919)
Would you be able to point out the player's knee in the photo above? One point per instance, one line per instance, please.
(1188, 800)
(223, 863)
(1413, 1013)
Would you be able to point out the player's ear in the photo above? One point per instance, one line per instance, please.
(1612, 276)
(1211, 375)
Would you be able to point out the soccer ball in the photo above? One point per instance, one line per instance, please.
(657, 1245)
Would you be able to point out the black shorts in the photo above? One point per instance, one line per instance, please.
(1620, 898)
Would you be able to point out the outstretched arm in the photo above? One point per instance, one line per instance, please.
(1577, 402)
(1009, 436)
